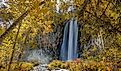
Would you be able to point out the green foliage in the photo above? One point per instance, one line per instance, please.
(106, 54)
(84, 65)
(56, 65)
(92, 15)
(18, 66)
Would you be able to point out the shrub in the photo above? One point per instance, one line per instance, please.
(83, 65)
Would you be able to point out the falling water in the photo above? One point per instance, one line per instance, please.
(69, 45)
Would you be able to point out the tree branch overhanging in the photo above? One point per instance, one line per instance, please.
(107, 22)
(13, 25)
(17, 22)
(105, 9)
(12, 53)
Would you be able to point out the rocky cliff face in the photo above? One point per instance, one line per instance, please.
(48, 47)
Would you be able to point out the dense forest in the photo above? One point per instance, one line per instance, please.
(26, 25)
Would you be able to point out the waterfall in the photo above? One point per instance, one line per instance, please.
(69, 46)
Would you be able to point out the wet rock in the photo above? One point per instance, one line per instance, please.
(44, 67)
(60, 70)
(40, 67)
